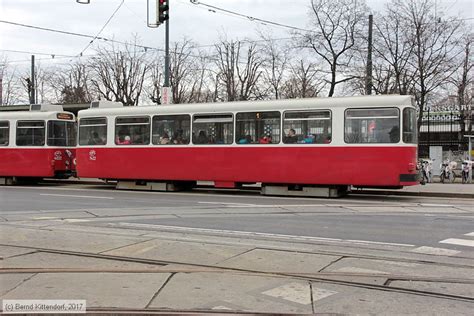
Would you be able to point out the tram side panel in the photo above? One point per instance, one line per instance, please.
(332, 165)
(27, 162)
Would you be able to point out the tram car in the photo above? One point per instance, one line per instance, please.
(316, 146)
(37, 144)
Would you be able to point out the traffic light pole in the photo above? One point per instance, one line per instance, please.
(167, 52)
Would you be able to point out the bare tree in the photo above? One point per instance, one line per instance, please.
(275, 64)
(10, 92)
(119, 75)
(435, 44)
(462, 80)
(337, 25)
(303, 81)
(72, 83)
(393, 49)
(238, 77)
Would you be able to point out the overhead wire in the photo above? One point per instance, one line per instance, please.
(103, 27)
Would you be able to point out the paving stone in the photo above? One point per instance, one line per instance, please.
(7, 251)
(9, 281)
(73, 241)
(183, 252)
(353, 300)
(118, 290)
(53, 260)
(238, 292)
(399, 268)
(460, 289)
(280, 261)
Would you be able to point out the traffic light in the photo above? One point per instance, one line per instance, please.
(163, 11)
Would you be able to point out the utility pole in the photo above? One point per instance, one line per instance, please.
(32, 81)
(167, 51)
(368, 78)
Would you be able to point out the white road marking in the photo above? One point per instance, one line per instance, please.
(229, 203)
(435, 251)
(460, 242)
(80, 196)
(256, 234)
(76, 220)
(293, 292)
(469, 234)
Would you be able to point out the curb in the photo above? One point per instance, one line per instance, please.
(405, 193)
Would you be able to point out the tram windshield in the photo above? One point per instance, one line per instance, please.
(61, 133)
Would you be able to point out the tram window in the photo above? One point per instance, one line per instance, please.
(171, 129)
(132, 130)
(93, 131)
(4, 133)
(307, 127)
(30, 133)
(409, 126)
(258, 128)
(381, 125)
(61, 133)
(215, 129)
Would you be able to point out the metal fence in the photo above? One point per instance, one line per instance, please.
(445, 128)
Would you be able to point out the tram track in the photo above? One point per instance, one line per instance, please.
(320, 276)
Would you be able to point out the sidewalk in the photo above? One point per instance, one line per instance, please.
(144, 270)
(435, 189)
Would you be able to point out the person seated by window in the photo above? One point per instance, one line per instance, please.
(309, 139)
(202, 138)
(123, 140)
(178, 137)
(245, 140)
(291, 138)
(394, 134)
(327, 139)
(165, 139)
(3, 140)
(267, 139)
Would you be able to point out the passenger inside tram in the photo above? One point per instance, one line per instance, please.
(165, 139)
(291, 138)
(202, 138)
(94, 139)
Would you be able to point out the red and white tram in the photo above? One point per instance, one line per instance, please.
(37, 144)
(289, 146)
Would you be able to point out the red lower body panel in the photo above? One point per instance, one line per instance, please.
(361, 166)
(35, 162)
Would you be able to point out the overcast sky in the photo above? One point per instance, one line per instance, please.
(187, 20)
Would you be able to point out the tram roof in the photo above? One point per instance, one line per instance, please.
(33, 115)
(246, 106)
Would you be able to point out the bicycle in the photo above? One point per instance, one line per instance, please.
(447, 171)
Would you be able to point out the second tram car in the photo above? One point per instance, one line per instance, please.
(37, 144)
(289, 146)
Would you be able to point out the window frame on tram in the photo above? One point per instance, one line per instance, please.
(311, 135)
(221, 134)
(69, 138)
(373, 120)
(33, 143)
(410, 128)
(93, 140)
(256, 132)
(176, 132)
(134, 139)
(4, 133)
